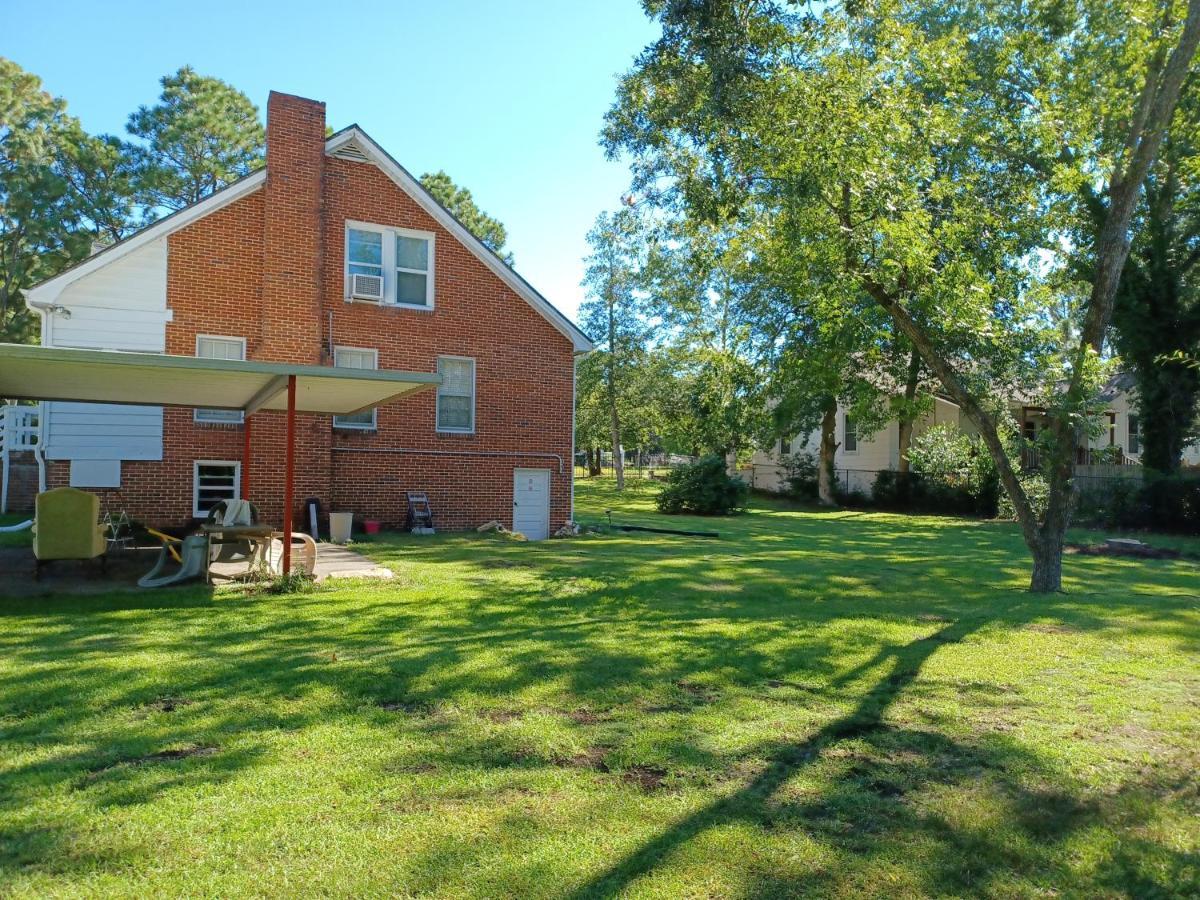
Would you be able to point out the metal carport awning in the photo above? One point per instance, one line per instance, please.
(154, 379)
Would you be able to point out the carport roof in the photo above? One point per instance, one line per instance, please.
(154, 379)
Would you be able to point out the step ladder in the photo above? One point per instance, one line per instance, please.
(420, 514)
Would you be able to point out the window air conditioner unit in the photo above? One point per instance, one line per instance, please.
(366, 287)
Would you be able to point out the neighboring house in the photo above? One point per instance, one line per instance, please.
(859, 458)
(332, 255)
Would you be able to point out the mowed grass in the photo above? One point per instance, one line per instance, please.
(817, 703)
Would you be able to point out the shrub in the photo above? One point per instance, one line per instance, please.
(704, 488)
(950, 473)
(1155, 504)
(1038, 491)
(800, 473)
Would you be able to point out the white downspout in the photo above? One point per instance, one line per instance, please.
(574, 400)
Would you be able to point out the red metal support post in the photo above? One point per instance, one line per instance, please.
(289, 461)
(245, 458)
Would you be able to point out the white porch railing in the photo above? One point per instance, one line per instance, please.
(18, 432)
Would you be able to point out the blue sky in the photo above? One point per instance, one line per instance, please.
(507, 97)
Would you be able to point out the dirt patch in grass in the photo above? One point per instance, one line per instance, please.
(178, 753)
(646, 778)
(501, 716)
(1132, 549)
(412, 708)
(586, 717)
(1051, 628)
(168, 704)
(591, 758)
(173, 755)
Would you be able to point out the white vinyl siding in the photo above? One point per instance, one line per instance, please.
(356, 358)
(404, 258)
(456, 394)
(122, 306)
(103, 431)
(213, 481)
(211, 347)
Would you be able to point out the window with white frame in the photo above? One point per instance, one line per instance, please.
(213, 347)
(850, 435)
(456, 394)
(1135, 435)
(401, 257)
(356, 358)
(212, 482)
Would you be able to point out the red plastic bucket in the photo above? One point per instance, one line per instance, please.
(371, 526)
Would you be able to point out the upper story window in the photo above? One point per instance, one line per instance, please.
(456, 394)
(356, 358)
(212, 347)
(389, 265)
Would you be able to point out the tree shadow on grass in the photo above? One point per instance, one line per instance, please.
(606, 620)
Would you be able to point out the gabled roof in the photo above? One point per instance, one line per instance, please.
(350, 143)
(353, 142)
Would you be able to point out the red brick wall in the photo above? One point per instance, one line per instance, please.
(254, 269)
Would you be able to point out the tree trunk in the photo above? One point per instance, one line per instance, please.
(593, 457)
(825, 492)
(614, 417)
(1047, 566)
(618, 455)
(907, 419)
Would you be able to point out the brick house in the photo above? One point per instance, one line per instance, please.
(331, 255)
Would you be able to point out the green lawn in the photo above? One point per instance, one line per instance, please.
(818, 703)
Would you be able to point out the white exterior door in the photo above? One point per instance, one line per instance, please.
(531, 503)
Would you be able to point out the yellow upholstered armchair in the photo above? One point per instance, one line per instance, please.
(66, 527)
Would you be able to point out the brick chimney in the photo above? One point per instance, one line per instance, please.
(291, 315)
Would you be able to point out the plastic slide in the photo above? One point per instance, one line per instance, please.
(193, 563)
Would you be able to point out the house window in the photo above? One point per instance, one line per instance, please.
(850, 435)
(213, 481)
(210, 347)
(1135, 435)
(456, 394)
(356, 358)
(402, 258)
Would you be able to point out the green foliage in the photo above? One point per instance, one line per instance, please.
(950, 472)
(1156, 317)
(1157, 503)
(800, 474)
(59, 191)
(458, 200)
(1036, 488)
(936, 162)
(703, 488)
(201, 135)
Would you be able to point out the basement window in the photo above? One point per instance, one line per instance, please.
(213, 481)
(397, 261)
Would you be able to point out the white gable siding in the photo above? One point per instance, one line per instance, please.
(120, 306)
